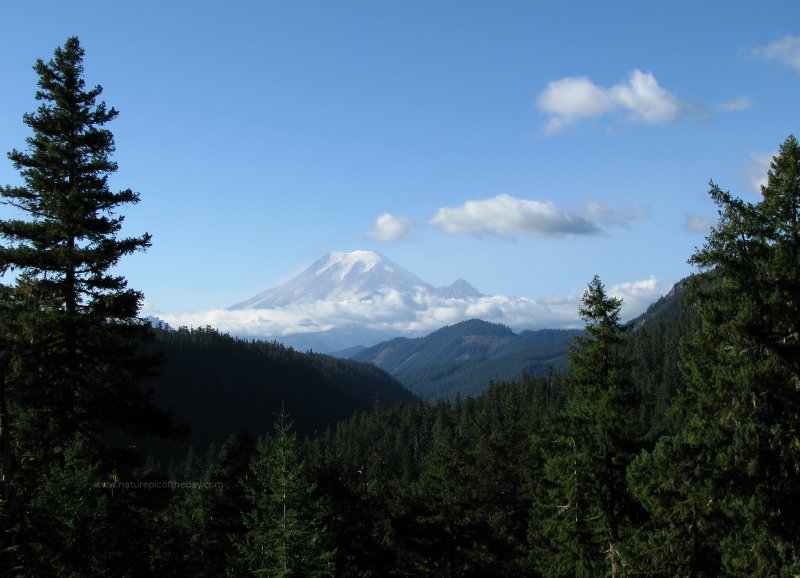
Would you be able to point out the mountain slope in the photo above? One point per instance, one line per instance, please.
(654, 345)
(467, 356)
(219, 385)
(472, 339)
(346, 300)
(356, 276)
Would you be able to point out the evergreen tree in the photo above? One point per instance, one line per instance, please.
(80, 523)
(592, 508)
(448, 535)
(81, 318)
(504, 465)
(349, 516)
(723, 492)
(73, 368)
(283, 535)
(210, 513)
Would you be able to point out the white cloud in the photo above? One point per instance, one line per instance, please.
(637, 295)
(388, 227)
(507, 216)
(741, 103)
(696, 224)
(571, 99)
(419, 314)
(756, 168)
(646, 100)
(785, 51)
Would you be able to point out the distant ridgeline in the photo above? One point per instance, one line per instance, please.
(466, 357)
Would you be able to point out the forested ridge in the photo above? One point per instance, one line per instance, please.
(218, 385)
(670, 447)
(464, 358)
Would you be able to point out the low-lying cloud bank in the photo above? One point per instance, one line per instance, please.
(413, 315)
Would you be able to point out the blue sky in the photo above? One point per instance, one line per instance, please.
(523, 146)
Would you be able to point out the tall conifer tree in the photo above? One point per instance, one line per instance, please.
(283, 535)
(591, 514)
(723, 492)
(79, 319)
(74, 371)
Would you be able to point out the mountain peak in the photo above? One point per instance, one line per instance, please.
(345, 263)
(340, 277)
(459, 289)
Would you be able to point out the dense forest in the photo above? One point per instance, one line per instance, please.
(669, 447)
(219, 385)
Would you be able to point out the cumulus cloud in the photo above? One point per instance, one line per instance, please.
(637, 295)
(785, 51)
(572, 99)
(509, 217)
(645, 99)
(741, 103)
(388, 227)
(414, 315)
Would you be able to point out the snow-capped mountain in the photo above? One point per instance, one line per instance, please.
(362, 298)
(356, 276)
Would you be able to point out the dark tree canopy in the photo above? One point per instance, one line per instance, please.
(77, 317)
(72, 369)
(723, 490)
(600, 428)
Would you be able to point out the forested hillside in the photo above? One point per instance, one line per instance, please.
(219, 385)
(466, 357)
(654, 349)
